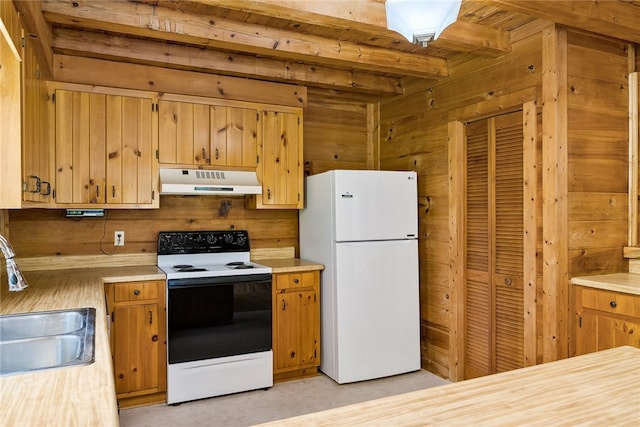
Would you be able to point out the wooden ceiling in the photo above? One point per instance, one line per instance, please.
(342, 45)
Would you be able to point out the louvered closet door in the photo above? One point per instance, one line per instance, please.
(494, 288)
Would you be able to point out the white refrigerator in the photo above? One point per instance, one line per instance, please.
(363, 226)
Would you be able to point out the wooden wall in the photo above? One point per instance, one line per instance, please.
(598, 150)
(593, 82)
(414, 136)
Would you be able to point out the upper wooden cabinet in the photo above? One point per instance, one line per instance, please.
(37, 153)
(10, 135)
(105, 148)
(280, 161)
(199, 133)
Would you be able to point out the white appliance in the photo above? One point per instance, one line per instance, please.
(363, 226)
(219, 311)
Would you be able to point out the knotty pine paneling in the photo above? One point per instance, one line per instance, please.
(47, 232)
(598, 153)
(335, 135)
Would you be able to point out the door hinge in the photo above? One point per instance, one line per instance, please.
(258, 117)
(258, 160)
(24, 43)
(53, 97)
(298, 196)
(298, 121)
(153, 195)
(157, 154)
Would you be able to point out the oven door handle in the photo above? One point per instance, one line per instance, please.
(197, 282)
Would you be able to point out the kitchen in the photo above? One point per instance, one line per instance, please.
(371, 114)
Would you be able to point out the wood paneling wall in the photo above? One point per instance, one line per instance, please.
(598, 153)
(594, 142)
(414, 136)
(47, 232)
(335, 134)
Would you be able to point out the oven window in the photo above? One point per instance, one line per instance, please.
(217, 317)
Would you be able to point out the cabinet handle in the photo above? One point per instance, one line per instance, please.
(38, 183)
(97, 191)
(113, 191)
(150, 317)
(216, 154)
(284, 305)
(136, 292)
(268, 194)
(508, 281)
(613, 304)
(47, 192)
(204, 154)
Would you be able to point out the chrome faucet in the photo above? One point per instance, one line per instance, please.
(16, 280)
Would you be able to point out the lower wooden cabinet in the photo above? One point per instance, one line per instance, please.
(138, 341)
(296, 324)
(606, 319)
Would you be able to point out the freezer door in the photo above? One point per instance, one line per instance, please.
(375, 205)
(377, 310)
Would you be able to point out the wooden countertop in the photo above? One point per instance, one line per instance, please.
(618, 282)
(74, 396)
(594, 389)
(289, 265)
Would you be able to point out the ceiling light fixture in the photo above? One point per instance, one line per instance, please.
(421, 21)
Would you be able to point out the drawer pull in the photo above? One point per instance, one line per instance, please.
(136, 292)
(508, 281)
(296, 281)
(613, 304)
(154, 338)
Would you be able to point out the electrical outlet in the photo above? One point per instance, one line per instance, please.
(118, 238)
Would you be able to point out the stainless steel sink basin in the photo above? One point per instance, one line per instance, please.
(41, 324)
(45, 340)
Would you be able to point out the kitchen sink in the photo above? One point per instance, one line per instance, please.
(40, 324)
(46, 340)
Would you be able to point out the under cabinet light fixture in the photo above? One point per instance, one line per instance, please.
(421, 21)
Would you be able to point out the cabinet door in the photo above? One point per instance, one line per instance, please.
(10, 139)
(80, 147)
(36, 152)
(234, 135)
(183, 133)
(598, 331)
(297, 319)
(280, 164)
(136, 347)
(129, 136)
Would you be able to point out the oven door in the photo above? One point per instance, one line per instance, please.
(212, 317)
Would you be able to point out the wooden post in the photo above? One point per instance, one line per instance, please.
(457, 207)
(555, 283)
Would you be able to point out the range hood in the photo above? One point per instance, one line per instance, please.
(208, 182)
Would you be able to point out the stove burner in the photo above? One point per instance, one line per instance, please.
(178, 266)
(243, 266)
(234, 263)
(190, 269)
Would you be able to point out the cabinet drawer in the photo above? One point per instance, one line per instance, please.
(304, 279)
(135, 291)
(611, 302)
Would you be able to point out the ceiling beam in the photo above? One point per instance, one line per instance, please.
(162, 23)
(100, 72)
(615, 18)
(151, 52)
(368, 16)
